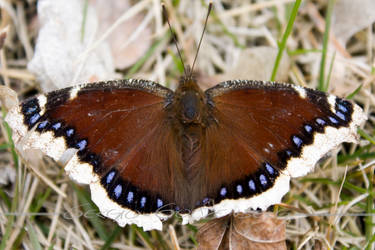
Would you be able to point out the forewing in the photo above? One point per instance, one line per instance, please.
(113, 136)
(263, 133)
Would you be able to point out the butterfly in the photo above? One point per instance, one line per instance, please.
(147, 151)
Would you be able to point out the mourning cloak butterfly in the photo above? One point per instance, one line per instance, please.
(147, 151)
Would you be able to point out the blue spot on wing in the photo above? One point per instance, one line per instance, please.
(263, 180)
(56, 126)
(81, 145)
(342, 108)
(130, 197)
(118, 191)
(341, 115)
(110, 177)
(297, 141)
(252, 185)
(223, 191)
(43, 124)
(34, 118)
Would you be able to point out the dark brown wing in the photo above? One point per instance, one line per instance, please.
(264, 130)
(121, 130)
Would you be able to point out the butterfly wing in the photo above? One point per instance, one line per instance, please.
(264, 133)
(111, 135)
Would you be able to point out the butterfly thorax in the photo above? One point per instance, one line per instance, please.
(189, 102)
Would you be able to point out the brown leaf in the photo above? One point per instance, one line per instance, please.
(243, 231)
(8, 97)
(211, 234)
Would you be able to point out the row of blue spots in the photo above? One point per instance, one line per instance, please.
(55, 127)
(30, 109)
(264, 181)
(129, 196)
(341, 109)
(69, 132)
(298, 141)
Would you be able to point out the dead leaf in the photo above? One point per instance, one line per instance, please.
(124, 52)
(350, 16)
(8, 97)
(243, 231)
(211, 234)
(59, 59)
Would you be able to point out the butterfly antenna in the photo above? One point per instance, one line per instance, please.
(204, 29)
(165, 13)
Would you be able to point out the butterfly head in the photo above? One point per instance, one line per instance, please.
(189, 100)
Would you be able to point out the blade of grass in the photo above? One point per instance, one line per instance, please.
(11, 217)
(162, 244)
(33, 237)
(10, 141)
(14, 203)
(83, 25)
(40, 199)
(346, 185)
(362, 156)
(322, 85)
(284, 39)
(4, 146)
(5, 198)
(111, 238)
(330, 70)
(303, 51)
(369, 226)
(175, 3)
(351, 95)
(366, 136)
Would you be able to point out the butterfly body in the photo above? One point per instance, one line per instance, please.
(188, 119)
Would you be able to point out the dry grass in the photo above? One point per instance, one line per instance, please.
(332, 207)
